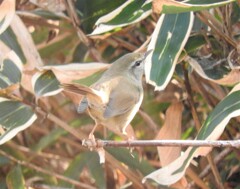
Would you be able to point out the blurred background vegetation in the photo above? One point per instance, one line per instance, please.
(47, 156)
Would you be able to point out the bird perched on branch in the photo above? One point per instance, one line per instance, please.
(116, 97)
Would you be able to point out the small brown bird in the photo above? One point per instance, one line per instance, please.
(116, 97)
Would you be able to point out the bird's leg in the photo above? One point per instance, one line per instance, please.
(91, 135)
(91, 141)
(129, 134)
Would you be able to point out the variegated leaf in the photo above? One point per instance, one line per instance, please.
(173, 7)
(10, 70)
(168, 40)
(129, 13)
(212, 128)
(14, 117)
(7, 11)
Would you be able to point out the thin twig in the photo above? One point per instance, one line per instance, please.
(76, 21)
(149, 121)
(143, 47)
(144, 143)
(62, 124)
(208, 19)
(125, 44)
(82, 36)
(217, 159)
(39, 169)
(36, 154)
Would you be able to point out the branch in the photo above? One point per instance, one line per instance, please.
(143, 143)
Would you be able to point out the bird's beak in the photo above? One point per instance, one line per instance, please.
(147, 53)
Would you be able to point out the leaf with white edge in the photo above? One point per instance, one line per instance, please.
(130, 12)
(10, 70)
(14, 117)
(8, 41)
(212, 129)
(7, 11)
(15, 178)
(171, 129)
(26, 43)
(215, 71)
(168, 40)
(45, 83)
(91, 12)
(173, 7)
(75, 71)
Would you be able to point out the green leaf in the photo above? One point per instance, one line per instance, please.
(96, 169)
(15, 179)
(62, 46)
(90, 79)
(168, 40)
(124, 155)
(89, 159)
(228, 108)
(130, 12)
(173, 7)
(90, 10)
(14, 117)
(50, 138)
(10, 70)
(45, 83)
(74, 169)
(4, 161)
(212, 128)
(194, 43)
(9, 39)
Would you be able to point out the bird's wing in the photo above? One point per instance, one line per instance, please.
(121, 100)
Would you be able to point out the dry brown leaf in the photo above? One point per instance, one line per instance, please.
(69, 72)
(157, 5)
(7, 11)
(26, 43)
(196, 178)
(232, 78)
(4, 49)
(171, 130)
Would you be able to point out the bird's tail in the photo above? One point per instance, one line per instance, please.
(78, 89)
(82, 90)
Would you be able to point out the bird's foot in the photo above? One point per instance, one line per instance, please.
(92, 144)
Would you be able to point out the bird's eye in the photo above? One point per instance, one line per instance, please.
(138, 63)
